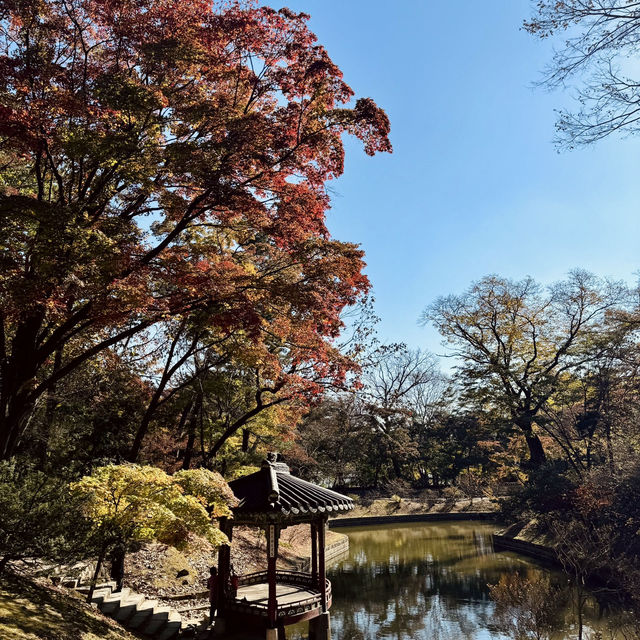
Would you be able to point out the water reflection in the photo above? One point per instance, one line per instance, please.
(420, 582)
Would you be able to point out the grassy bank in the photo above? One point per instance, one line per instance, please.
(34, 610)
(396, 506)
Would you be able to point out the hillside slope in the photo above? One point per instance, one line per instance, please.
(32, 610)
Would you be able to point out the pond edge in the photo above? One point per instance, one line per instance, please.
(500, 542)
(417, 517)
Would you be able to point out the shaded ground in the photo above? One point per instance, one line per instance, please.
(34, 610)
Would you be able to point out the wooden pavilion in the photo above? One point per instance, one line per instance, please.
(267, 601)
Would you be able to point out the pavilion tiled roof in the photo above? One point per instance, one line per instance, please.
(274, 491)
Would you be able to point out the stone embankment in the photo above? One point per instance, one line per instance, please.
(364, 521)
(332, 551)
(524, 547)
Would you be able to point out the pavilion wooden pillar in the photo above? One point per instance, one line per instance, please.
(322, 574)
(320, 627)
(273, 534)
(314, 552)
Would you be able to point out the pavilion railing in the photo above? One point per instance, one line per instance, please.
(295, 578)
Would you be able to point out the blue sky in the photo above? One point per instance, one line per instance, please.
(475, 185)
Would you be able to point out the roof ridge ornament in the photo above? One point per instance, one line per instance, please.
(269, 465)
(274, 460)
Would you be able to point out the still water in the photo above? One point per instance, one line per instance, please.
(427, 582)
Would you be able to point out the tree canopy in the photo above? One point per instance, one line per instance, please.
(600, 38)
(163, 160)
(515, 341)
(130, 502)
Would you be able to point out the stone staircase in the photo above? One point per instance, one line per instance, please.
(133, 611)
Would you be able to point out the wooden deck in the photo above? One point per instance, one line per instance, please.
(297, 594)
(287, 594)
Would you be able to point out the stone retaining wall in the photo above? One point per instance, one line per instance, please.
(334, 550)
(537, 551)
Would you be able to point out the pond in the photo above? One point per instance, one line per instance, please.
(429, 581)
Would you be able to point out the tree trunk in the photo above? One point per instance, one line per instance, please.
(188, 415)
(610, 457)
(537, 456)
(580, 606)
(143, 427)
(42, 446)
(12, 425)
(245, 440)
(96, 573)
(17, 378)
(170, 368)
(396, 467)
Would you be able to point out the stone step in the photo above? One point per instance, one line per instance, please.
(112, 603)
(170, 630)
(115, 598)
(133, 611)
(161, 616)
(200, 607)
(99, 595)
(143, 613)
(102, 585)
(200, 630)
(129, 607)
(69, 583)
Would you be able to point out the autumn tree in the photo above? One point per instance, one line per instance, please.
(128, 503)
(449, 445)
(89, 416)
(164, 159)
(515, 341)
(372, 436)
(598, 50)
(334, 438)
(593, 416)
(526, 607)
(399, 384)
(215, 391)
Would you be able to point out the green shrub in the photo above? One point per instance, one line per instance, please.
(39, 518)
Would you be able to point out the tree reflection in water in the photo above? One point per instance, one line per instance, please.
(419, 582)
